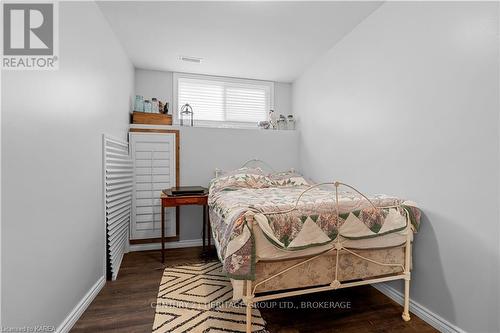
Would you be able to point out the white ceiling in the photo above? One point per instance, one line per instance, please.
(261, 40)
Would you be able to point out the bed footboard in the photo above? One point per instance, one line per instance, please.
(402, 270)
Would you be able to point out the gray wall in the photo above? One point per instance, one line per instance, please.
(408, 104)
(150, 83)
(205, 149)
(52, 121)
(202, 150)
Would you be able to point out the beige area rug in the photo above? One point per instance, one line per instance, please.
(197, 298)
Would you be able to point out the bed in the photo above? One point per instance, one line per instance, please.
(280, 235)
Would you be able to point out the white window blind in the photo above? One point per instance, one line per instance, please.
(205, 97)
(247, 104)
(219, 101)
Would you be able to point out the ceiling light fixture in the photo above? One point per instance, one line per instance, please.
(190, 59)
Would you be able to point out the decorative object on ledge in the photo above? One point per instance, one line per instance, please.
(155, 106)
(160, 107)
(139, 103)
(264, 124)
(272, 119)
(281, 123)
(291, 122)
(147, 106)
(151, 118)
(186, 112)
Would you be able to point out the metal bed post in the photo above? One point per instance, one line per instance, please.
(248, 301)
(249, 293)
(406, 309)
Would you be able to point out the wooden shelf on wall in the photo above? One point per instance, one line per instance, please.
(151, 118)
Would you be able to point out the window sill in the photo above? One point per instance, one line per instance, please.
(246, 128)
(233, 126)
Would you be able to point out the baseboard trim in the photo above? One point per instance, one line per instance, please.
(168, 245)
(419, 310)
(80, 308)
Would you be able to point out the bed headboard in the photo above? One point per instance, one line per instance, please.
(254, 162)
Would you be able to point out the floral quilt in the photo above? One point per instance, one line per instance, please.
(314, 222)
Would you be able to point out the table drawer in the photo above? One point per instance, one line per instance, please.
(186, 201)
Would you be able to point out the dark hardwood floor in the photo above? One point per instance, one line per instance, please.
(124, 305)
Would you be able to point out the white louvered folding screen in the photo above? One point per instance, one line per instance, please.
(118, 177)
(153, 155)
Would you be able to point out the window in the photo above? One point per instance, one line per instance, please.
(224, 102)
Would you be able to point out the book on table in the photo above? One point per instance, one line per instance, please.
(178, 191)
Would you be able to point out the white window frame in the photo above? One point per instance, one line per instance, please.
(225, 124)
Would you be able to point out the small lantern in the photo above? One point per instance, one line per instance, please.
(186, 112)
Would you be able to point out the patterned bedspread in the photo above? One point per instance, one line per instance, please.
(234, 198)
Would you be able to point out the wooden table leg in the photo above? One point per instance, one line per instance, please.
(209, 230)
(204, 226)
(162, 233)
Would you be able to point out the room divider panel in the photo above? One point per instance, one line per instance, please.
(155, 168)
(118, 177)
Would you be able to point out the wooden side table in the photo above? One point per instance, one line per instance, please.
(177, 201)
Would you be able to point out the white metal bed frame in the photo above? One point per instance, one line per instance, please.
(250, 297)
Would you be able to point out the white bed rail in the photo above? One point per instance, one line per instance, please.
(337, 184)
(338, 247)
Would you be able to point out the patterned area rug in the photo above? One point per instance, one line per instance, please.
(197, 298)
